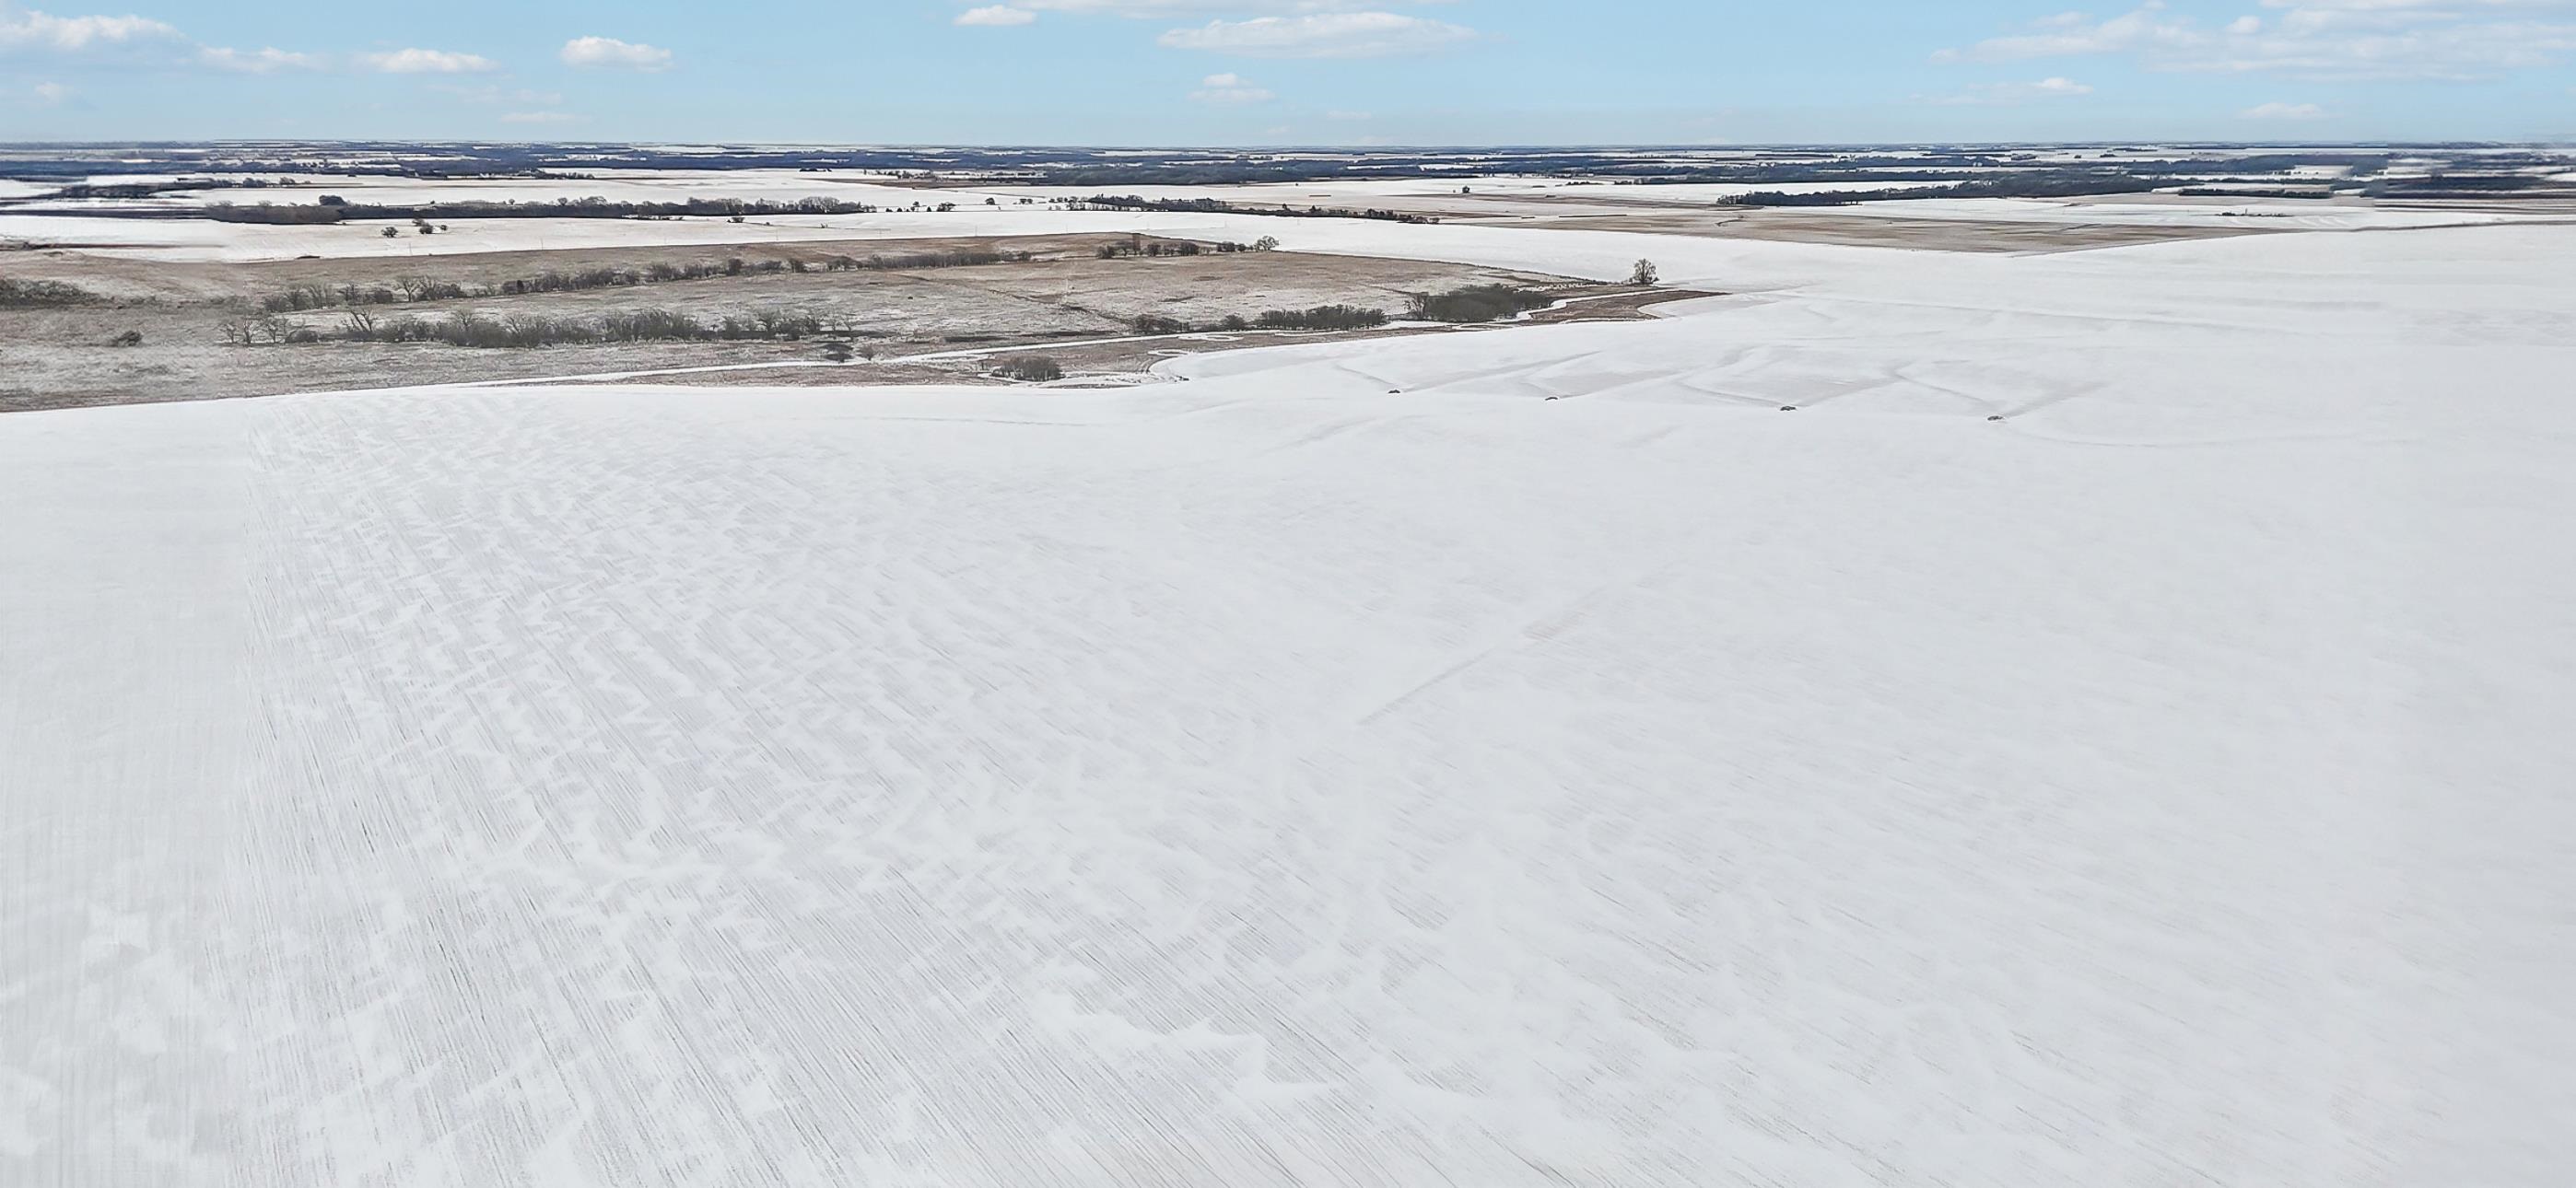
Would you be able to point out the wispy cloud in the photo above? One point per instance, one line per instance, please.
(491, 94)
(996, 16)
(427, 61)
(1322, 35)
(2009, 94)
(259, 61)
(594, 53)
(1229, 90)
(2316, 39)
(2283, 111)
(1139, 9)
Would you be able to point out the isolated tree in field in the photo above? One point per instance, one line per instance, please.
(1267, 243)
(1644, 273)
(391, 233)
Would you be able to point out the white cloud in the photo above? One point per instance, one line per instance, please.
(258, 61)
(427, 61)
(538, 117)
(50, 93)
(2010, 94)
(2283, 111)
(32, 30)
(2313, 39)
(996, 16)
(1348, 116)
(1229, 90)
(1322, 35)
(590, 53)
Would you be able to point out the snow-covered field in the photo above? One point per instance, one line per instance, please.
(199, 239)
(1344, 764)
(2272, 213)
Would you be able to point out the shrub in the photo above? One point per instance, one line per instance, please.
(29, 294)
(131, 338)
(302, 298)
(1158, 324)
(1032, 368)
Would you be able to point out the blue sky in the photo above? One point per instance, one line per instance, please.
(1111, 72)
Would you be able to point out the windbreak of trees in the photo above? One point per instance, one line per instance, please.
(1955, 167)
(1141, 246)
(268, 213)
(2459, 185)
(522, 331)
(415, 288)
(1321, 317)
(1475, 303)
(1213, 206)
(330, 211)
(2052, 184)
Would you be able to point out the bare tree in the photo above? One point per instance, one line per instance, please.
(1644, 273)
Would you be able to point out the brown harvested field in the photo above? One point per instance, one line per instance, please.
(1130, 359)
(187, 313)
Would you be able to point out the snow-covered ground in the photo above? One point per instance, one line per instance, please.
(1344, 764)
(199, 239)
(2273, 213)
(615, 185)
